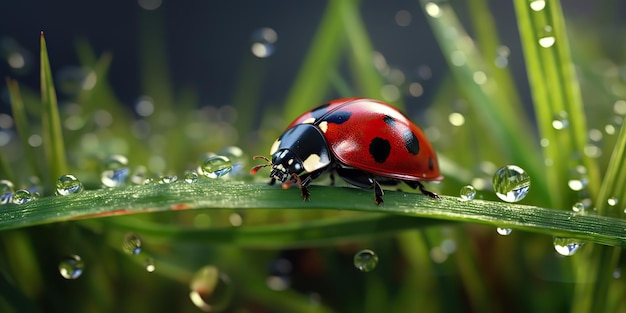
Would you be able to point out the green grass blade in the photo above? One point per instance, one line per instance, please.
(52, 132)
(555, 89)
(311, 84)
(233, 195)
(509, 129)
(21, 125)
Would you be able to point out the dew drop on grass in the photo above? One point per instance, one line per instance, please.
(613, 201)
(468, 193)
(167, 179)
(365, 260)
(546, 38)
(560, 121)
(148, 264)
(6, 191)
(68, 184)
(22, 196)
(71, 267)
(216, 166)
(191, 177)
(211, 289)
(566, 246)
(537, 5)
(132, 244)
(511, 183)
(115, 171)
(504, 231)
(579, 207)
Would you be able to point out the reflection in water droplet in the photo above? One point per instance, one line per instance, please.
(263, 41)
(504, 231)
(511, 183)
(537, 5)
(468, 193)
(68, 184)
(132, 244)
(167, 179)
(365, 260)
(566, 246)
(216, 166)
(191, 177)
(22, 196)
(115, 171)
(211, 289)
(71, 267)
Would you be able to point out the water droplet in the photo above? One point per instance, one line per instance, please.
(537, 5)
(235, 219)
(579, 207)
(612, 201)
(68, 184)
(617, 273)
(263, 41)
(167, 179)
(566, 246)
(132, 244)
(456, 119)
(504, 231)
(432, 9)
(511, 183)
(6, 191)
(547, 38)
(211, 289)
(560, 121)
(71, 267)
(22, 196)
(191, 177)
(148, 264)
(619, 107)
(577, 184)
(139, 175)
(403, 18)
(365, 260)
(115, 171)
(144, 106)
(216, 166)
(468, 193)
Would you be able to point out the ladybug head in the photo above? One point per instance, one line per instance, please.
(284, 164)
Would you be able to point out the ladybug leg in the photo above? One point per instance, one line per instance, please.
(332, 179)
(416, 184)
(362, 179)
(272, 181)
(378, 193)
(304, 191)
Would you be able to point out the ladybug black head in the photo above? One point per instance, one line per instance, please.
(284, 164)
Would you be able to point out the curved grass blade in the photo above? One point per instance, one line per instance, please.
(215, 194)
(52, 132)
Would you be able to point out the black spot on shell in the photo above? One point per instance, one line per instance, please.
(411, 142)
(380, 149)
(431, 164)
(389, 120)
(338, 117)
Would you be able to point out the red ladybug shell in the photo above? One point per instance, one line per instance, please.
(374, 137)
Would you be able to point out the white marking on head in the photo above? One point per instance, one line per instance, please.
(290, 161)
(309, 120)
(312, 163)
(323, 126)
(275, 146)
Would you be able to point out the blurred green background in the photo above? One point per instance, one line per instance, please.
(166, 83)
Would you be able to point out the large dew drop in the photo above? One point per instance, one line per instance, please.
(68, 184)
(468, 193)
(211, 289)
(115, 171)
(566, 246)
(22, 196)
(511, 183)
(6, 191)
(365, 260)
(216, 166)
(132, 244)
(71, 267)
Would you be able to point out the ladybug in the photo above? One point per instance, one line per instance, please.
(366, 142)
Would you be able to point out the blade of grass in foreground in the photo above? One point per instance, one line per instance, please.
(52, 133)
(216, 194)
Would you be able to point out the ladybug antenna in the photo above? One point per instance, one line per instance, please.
(255, 169)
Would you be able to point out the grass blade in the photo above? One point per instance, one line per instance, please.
(52, 132)
(234, 195)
